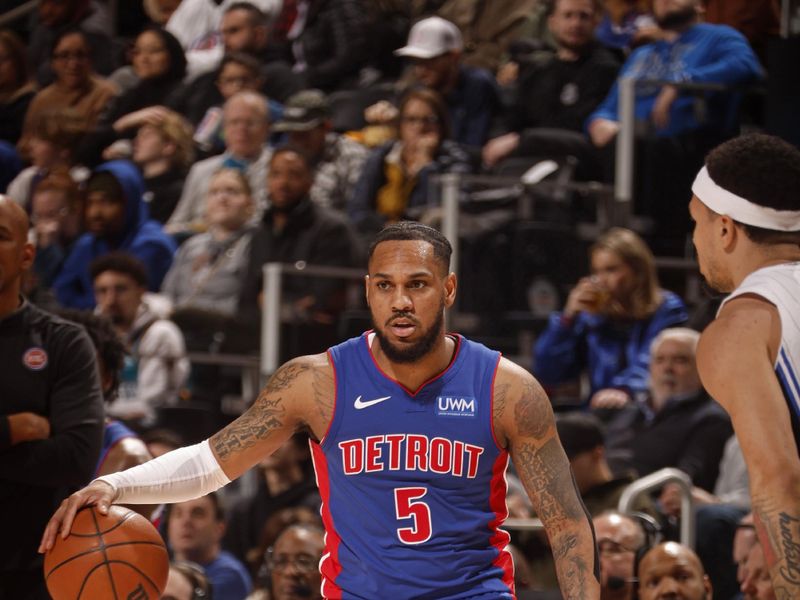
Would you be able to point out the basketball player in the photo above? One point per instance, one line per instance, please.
(411, 433)
(746, 208)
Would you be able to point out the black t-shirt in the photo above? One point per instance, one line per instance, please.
(562, 94)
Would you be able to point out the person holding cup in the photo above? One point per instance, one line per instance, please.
(608, 322)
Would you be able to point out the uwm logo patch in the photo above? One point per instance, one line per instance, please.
(456, 406)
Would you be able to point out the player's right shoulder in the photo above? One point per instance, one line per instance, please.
(297, 374)
(308, 386)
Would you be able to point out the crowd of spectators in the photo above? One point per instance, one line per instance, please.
(162, 167)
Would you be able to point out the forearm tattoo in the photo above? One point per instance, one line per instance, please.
(267, 414)
(545, 470)
(532, 413)
(779, 532)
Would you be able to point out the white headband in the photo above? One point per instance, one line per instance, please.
(723, 202)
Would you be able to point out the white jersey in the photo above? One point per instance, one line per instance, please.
(780, 285)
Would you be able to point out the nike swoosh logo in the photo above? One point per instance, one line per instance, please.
(367, 403)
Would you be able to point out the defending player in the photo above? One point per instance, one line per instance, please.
(412, 429)
(746, 210)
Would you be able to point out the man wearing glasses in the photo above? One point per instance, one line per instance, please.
(619, 537)
(293, 563)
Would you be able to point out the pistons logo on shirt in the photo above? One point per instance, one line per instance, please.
(35, 358)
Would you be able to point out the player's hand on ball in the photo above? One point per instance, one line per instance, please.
(96, 493)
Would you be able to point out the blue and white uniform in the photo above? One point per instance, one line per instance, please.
(413, 482)
(780, 285)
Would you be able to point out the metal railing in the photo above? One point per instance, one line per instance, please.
(626, 136)
(272, 297)
(18, 12)
(656, 480)
(628, 499)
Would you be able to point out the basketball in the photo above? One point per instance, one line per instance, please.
(118, 556)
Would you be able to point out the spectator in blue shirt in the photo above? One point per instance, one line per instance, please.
(608, 323)
(690, 52)
(194, 532)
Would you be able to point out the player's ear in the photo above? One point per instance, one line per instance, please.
(709, 590)
(727, 231)
(450, 285)
(366, 288)
(28, 254)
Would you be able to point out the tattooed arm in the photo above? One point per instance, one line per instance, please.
(735, 358)
(524, 421)
(299, 395)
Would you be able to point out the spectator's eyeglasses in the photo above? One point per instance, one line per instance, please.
(303, 563)
(65, 56)
(429, 120)
(611, 548)
(244, 80)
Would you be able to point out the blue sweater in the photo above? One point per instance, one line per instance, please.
(616, 355)
(703, 53)
(229, 579)
(141, 236)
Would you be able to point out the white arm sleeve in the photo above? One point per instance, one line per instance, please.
(180, 475)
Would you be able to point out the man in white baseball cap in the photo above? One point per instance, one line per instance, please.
(434, 49)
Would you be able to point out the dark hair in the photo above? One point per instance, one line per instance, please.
(579, 432)
(219, 508)
(196, 576)
(248, 61)
(108, 184)
(16, 54)
(177, 59)
(258, 18)
(120, 262)
(550, 7)
(763, 169)
(435, 101)
(293, 149)
(71, 30)
(413, 231)
(106, 341)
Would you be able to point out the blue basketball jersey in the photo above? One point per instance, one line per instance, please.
(413, 482)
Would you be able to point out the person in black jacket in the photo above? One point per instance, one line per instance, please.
(51, 413)
(677, 424)
(329, 46)
(558, 91)
(160, 65)
(295, 229)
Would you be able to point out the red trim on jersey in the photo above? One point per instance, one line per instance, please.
(329, 565)
(500, 538)
(335, 393)
(491, 404)
(455, 336)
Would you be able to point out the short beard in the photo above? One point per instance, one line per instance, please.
(413, 352)
(676, 20)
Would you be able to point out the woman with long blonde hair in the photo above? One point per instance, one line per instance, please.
(608, 322)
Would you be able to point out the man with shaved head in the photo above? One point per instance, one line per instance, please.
(672, 570)
(51, 412)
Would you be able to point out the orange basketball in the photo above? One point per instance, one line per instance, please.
(118, 556)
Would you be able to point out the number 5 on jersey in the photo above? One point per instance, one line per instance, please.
(408, 506)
